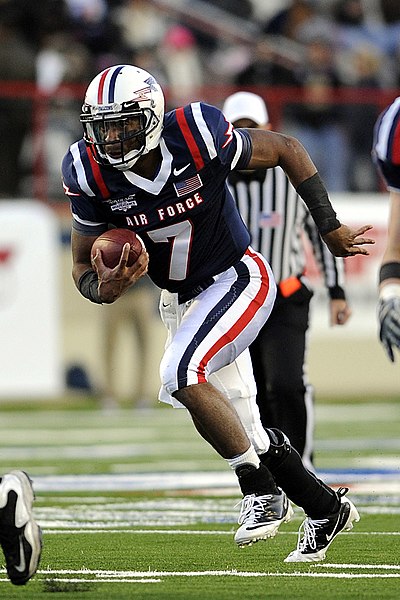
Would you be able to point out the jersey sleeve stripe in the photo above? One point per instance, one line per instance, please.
(239, 149)
(88, 223)
(189, 139)
(97, 175)
(203, 129)
(80, 171)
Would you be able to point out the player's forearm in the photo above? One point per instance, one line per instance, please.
(81, 262)
(271, 149)
(84, 276)
(390, 269)
(296, 162)
(315, 196)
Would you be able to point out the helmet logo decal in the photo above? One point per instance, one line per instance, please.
(151, 82)
(141, 95)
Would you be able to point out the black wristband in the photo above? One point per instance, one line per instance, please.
(88, 286)
(389, 270)
(315, 195)
(336, 293)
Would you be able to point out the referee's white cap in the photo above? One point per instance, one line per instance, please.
(245, 105)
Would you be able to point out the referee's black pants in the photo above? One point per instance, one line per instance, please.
(284, 398)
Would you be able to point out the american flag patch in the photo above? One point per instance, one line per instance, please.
(272, 219)
(187, 186)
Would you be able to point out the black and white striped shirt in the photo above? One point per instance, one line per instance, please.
(277, 219)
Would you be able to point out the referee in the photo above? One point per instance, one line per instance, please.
(278, 220)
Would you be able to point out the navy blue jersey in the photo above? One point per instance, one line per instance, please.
(386, 145)
(186, 215)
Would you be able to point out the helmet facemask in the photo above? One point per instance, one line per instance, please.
(119, 138)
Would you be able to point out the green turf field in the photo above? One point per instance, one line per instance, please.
(133, 504)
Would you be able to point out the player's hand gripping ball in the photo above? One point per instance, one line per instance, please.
(111, 243)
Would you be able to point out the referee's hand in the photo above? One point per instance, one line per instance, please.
(340, 311)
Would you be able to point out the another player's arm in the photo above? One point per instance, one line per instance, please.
(94, 280)
(389, 282)
(392, 251)
(81, 246)
(271, 149)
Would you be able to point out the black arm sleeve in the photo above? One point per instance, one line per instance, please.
(315, 195)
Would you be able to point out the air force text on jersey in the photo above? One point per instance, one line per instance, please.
(172, 210)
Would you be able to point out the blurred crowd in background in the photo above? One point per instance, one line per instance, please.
(295, 53)
(314, 45)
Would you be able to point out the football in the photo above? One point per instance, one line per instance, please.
(111, 243)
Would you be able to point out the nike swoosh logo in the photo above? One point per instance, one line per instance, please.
(22, 564)
(179, 171)
(331, 536)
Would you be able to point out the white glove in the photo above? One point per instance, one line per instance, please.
(389, 318)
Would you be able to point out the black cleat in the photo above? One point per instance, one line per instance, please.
(318, 534)
(20, 535)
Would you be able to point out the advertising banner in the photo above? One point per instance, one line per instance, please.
(30, 361)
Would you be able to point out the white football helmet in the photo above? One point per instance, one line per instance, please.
(123, 115)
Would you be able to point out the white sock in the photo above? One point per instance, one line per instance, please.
(250, 457)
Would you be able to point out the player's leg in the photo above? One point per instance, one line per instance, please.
(264, 506)
(210, 332)
(215, 419)
(328, 512)
(237, 383)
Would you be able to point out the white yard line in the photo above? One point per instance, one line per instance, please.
(155, 576)
(194, 532)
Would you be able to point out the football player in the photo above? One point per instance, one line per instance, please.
(164, 176)
(386, 155)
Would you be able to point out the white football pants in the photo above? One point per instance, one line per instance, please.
(208, 339)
